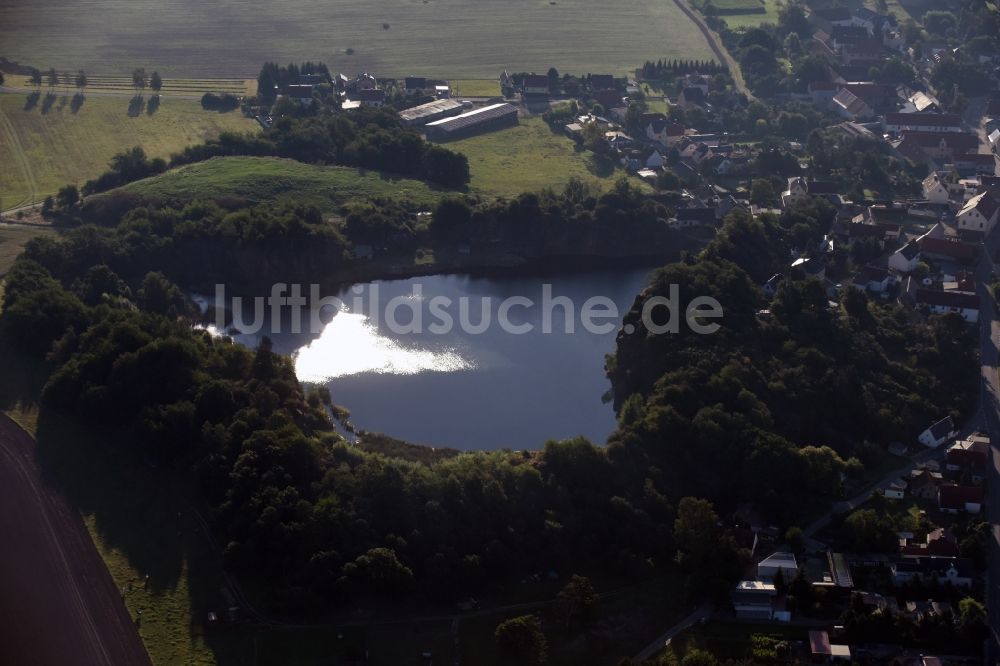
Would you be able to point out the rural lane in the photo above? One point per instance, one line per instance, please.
(58, 603)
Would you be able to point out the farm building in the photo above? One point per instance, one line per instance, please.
(490, 117)
(431, 111)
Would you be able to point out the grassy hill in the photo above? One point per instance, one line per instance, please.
(527, 158)
(43, 148)
(524, 158)
(274, 179)
(449, 38)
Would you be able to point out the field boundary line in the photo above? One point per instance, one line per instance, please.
(21, 158)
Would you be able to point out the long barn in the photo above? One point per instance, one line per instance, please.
(490, 117)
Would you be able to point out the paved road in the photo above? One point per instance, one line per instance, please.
(58, 603)
(721, 54)
(699, 614)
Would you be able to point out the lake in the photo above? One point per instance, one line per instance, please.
(532, 370)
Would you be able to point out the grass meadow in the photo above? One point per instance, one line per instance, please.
(527, 158)
(12, 241)
(446, 38)
(259, 179)
(42, 149)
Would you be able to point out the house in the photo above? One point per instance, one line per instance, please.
(415, 86)
(696, 80)
(976, 163)
(896, 489)
(828, 18)
(654, 124)
(938, 433)
(655, 160)
(874, 279)
(799, 188)
(374, 97)
(922, 122)
(965, 303)
(979, 213)
(811, 267)
(841, 35)
(935, 189)
(921, 102)
(956, 499)
(936, 544)
(946, 249)
(970, 455)
(906, 258)
(602, 82)
(535, 84)
(610, 99)
(820, 649)
(823, 92)
(866, 52)
(924, 483)
(938, 146)
(850, 106)
(693, 217)
(618, 139)
(770, 287)
(955, 570)
(755, 600)
(769, 567)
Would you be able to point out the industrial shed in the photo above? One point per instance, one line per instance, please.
(490, 117)
(431, 111)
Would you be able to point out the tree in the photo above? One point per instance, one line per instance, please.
(53, 77)
(553, 75)
(762, 192)
(972, 620)
(578, 598)
(1, 78)
(160, 295)
(81, 80)
(696, 528)
(139, 79)
(939, 22)
(36, 77)
(155, 82)
(520, 640)
(68, 197)
(696, 657)
(451, 218)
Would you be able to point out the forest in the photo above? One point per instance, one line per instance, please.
(768, 410)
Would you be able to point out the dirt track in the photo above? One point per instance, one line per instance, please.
(58, 603)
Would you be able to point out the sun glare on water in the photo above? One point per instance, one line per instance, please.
(351, 345)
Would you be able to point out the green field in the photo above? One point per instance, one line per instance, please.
(527, 158)
(12, 241)
(273, 179)
(445, 38)
(42, 150)
(193, 88)
(475, 87)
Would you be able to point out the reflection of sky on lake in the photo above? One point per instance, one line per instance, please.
(351, 345)
(488, 390)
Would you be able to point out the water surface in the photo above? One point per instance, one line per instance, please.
(461, 388)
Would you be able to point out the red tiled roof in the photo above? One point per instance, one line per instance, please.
(948, 299)
(924, 119)
(956, 497)
(959, 142)
(947, 248)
